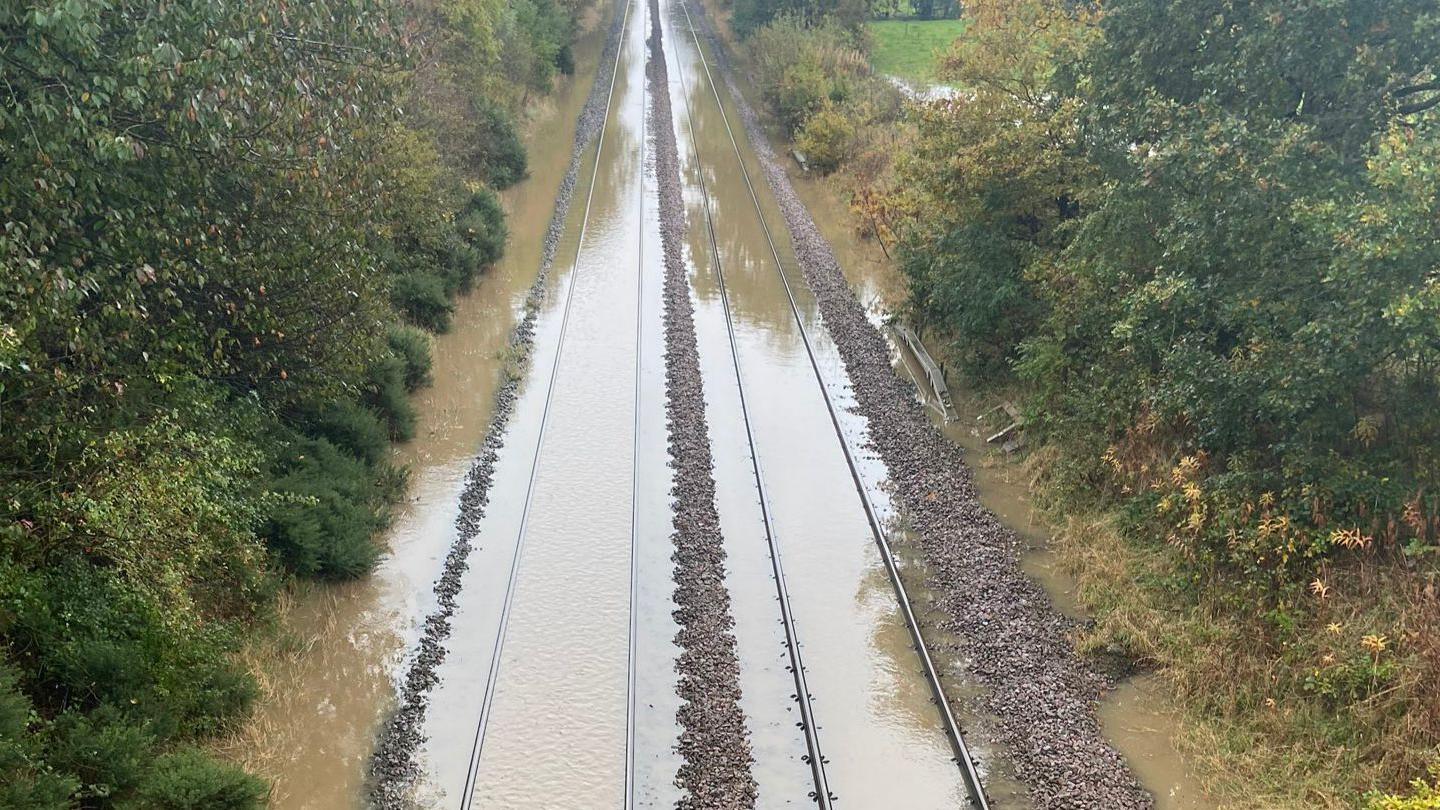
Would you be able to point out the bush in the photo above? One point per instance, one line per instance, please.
(481, 225)
(499, 155)
(970, 284)
(26, 781)
(565, 60)
(800, 67)
(412, 346)
(803, 87)
(475, 240)
(97, 641)
(107, 754)
(422, 299)
(189, 780)
(385, 391)
(1423, 796)
(169, 503)
(333, 506)
(349, 425)
(827, 138)
(457, 264)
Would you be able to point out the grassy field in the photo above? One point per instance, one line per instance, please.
(908, 48)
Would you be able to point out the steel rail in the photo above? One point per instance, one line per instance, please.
(477, 747)
(932, 674)
(816, 758)
(631, 685)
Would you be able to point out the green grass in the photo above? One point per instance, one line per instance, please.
(908, 48)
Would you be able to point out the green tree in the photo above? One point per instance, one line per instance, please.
(213, 210)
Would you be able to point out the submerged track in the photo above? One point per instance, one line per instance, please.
(477, 747)
(975, 790)
(804, 699)
(631, 687)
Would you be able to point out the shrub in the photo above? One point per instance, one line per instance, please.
(457, 264)
(170, 504)
(385, 391)
(422, 299)
(803, 87)
(333, 505)
(349, 425)
(97, 641)
(970, 283)
(481, 225)
(1423, 796)
(827, 138)
(26, 781)
(189, 780)
(800, 66)
(412, 346)
(106, 753)
(499, 155)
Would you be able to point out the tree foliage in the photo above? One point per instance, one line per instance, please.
(749, 16)
(215, 216)
(1201, 231)
(1203, 240)
(817, 79)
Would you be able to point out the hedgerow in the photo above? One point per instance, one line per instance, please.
(217, 217)
(1199, 240)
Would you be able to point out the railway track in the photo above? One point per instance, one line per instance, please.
(631, 652)
(974, 789)
(478, 744)
(814, 756)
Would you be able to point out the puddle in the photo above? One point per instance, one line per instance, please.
(1138, 720)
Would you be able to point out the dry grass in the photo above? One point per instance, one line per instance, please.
(272, 657)
(1255, 726)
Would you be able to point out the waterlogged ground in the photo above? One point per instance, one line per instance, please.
(325, 696)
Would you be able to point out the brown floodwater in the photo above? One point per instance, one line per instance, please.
(343, 645)
(535, 700)
(555, 732)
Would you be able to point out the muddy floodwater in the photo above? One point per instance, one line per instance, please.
(537, 706)
(878, 728)
(558, 688)
(314, 731)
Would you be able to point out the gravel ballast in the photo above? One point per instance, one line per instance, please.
(1040, 692)
(716, 760)
(393, 769)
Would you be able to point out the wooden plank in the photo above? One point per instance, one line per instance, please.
(1014, 426)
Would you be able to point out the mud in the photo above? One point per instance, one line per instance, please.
(716, 771)
(393, 768)
(1014, 641)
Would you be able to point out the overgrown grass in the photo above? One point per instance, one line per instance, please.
(1310, 703)
(909, 49)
